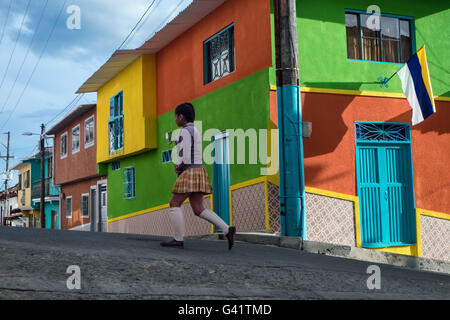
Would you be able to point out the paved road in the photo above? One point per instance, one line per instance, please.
(33, 265)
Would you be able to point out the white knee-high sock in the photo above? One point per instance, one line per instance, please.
(213, 218)
(178, 223)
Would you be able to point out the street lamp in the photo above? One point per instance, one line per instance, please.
(42, 152)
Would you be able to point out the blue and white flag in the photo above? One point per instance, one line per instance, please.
(416, 85)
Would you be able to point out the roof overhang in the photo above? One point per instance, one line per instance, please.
(78, 112)
(121, 59)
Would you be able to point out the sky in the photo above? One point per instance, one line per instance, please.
(48, 50)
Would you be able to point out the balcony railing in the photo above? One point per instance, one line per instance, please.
(49, 189)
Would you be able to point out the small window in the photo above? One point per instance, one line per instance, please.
(64, 145)
(76, 139)
(89, 132)
(219, 55)
(115, 124)
(68, 207)
(85, 205)
(388, 41)
(129, 183)
(50, 167)
(20, 182)
(167, 156)
(27, 179)
(115, 165)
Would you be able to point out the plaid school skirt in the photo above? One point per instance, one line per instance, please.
(193, 180)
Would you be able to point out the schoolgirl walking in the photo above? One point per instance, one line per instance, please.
(193, 181)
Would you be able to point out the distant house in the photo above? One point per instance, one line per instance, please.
(10, 211)
(75, 171)
(29, 190)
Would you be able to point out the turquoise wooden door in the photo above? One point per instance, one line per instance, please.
(385, 184)
(221, 176)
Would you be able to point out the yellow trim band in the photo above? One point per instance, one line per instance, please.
(359, 93)
(433, 214)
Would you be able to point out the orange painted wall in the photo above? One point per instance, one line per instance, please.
(180, 70)
(330, 152)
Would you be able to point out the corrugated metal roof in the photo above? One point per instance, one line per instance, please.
(120, 59)
(78, 112)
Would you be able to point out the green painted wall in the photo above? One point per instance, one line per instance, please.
(242, 104)
(323, 51)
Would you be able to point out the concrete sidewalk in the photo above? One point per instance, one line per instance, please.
(336, 250)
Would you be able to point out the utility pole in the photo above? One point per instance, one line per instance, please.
(292, 181)
(3, 221)
(42, 150)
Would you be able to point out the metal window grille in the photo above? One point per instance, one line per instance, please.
(219, 55)
(129, 183)
(85, 206)
(166, 156)
(382, 132)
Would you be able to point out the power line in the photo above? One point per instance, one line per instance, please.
(15, 44)
(25, 58)
(140, 26)
(73, 103)
(36, 65)
(145, 13)
(6, 20)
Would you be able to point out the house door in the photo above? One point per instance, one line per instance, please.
(385, 184)
(94, 214)
(221, 176)
(103, 208)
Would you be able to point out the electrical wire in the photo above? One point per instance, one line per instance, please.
(15, 44)
(25, 58)
(36, 65)
(69, 107)
(145, 13)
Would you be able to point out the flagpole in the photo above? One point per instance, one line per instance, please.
(384, 81)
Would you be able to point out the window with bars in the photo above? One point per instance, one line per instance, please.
(389, 41)
(129, 183)
(85, 205)
(383, 132)
(115, 124)
(219, 55)
(167, 156)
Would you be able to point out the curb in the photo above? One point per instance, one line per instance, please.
(336, 250)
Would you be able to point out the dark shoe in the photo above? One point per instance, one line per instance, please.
(230, 237)
(173, 244)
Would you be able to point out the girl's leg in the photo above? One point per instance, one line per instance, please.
(196, 199)
(177, 214)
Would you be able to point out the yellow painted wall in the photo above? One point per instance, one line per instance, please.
(138, 83)
(22, 170)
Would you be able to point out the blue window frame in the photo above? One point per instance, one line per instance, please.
(167, 156)
(116, 165)
(219, 55)
(129, 183)
(115, 124)
(389, 41)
